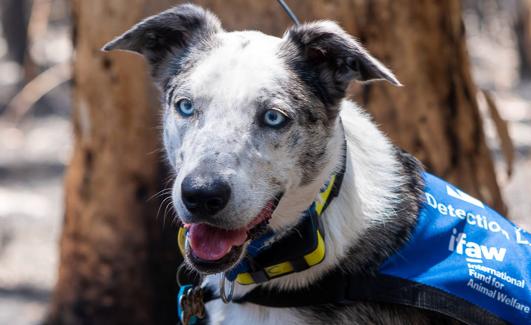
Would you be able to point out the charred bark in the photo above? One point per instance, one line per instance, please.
(523, 37)
(14, 25)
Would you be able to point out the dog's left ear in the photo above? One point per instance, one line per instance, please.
(323, 52)
(168, 35)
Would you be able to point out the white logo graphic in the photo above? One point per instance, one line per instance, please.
(463, 196)
(473, 251)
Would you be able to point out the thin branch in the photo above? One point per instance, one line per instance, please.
(502, 129)
(19, 106)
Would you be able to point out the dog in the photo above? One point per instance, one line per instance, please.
(254, 126)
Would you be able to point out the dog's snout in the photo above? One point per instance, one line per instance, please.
(205, 195)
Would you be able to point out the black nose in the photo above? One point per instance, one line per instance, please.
(204, 194)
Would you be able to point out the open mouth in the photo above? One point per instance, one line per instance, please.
(212, 250)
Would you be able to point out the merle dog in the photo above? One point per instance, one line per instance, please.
(254, 125)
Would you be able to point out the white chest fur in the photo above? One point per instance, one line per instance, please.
(249, 314)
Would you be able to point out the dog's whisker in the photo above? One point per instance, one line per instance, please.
(160, 206)
(159, 194)
(155, 151)
(169, 205)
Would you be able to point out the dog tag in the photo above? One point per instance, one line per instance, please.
(190, 305)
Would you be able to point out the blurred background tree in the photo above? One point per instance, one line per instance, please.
(117, 262)
(14, 24)
(523, 35)
(118, 253)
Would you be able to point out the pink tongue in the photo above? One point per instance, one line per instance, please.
(211, 243)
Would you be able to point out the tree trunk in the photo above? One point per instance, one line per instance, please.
(523, 37)
(14, 25)
(435, 115)
(117, 264)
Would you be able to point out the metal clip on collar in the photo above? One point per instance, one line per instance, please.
(224, 297)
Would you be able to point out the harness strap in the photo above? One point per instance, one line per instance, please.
(342, 289)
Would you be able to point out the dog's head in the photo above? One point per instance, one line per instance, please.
(247, 118)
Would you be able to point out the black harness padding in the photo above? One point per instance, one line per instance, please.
(302, 238)
(344, 289)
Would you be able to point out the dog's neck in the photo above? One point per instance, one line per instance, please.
(368, 195)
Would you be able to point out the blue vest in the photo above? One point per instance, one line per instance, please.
(464, 248)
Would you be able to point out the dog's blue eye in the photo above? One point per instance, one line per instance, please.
(185, 107)
(274, 118)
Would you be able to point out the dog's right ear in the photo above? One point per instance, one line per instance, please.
(167, 35)
(328, 59)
